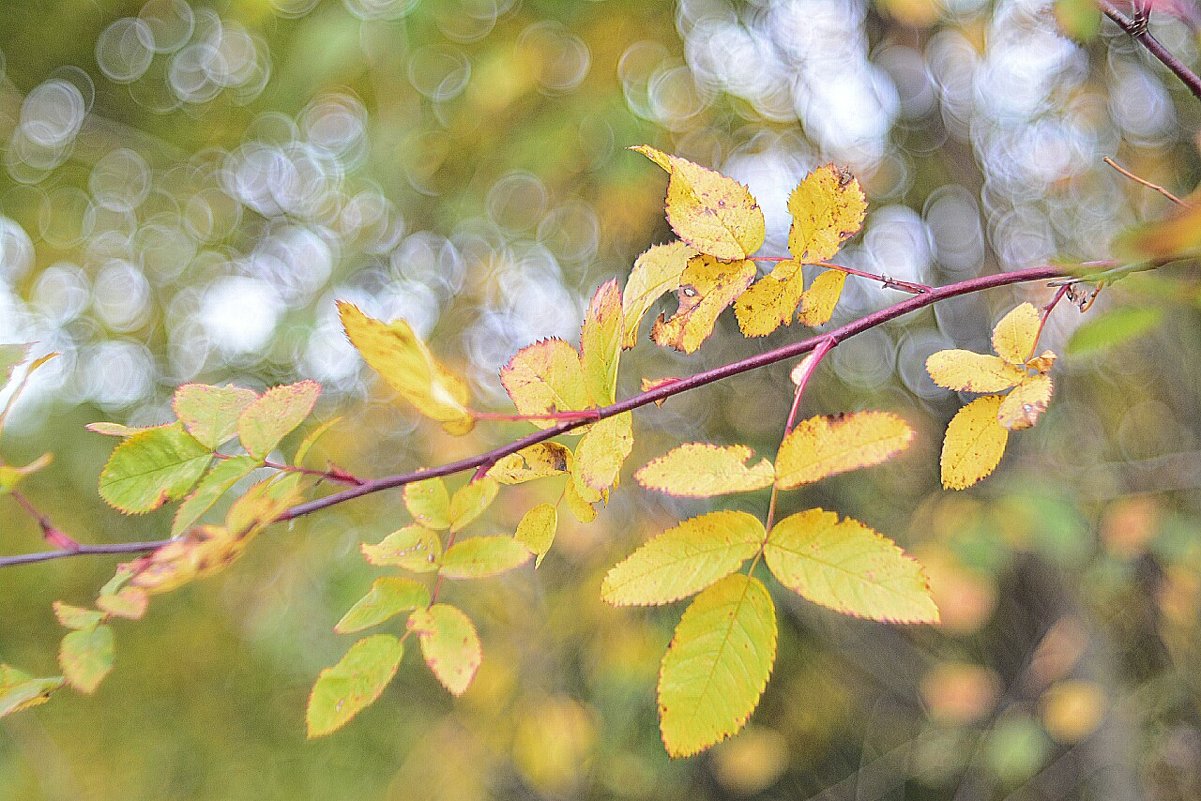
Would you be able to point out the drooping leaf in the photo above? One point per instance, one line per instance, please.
(580, 507)
(827, 445)
(821, 298)
(600, 343)
(772, 301)
(429, 503)
(74, 617)
(388, 596)
(1015, 336)
(414, 548)
(128, 602)
(546, 377)
(602, 452)
(449, 644)
(717, 665)
(974, 443)
(712, 213)
(1025, 404)
(827, 209)
(1113, 328)
(848, 567)
(655, 272)
(406, 364)
(542, 460)
(210, 414)
(481, 557)
(470, 501)
(965, 371)
(153, 467)
(702, 470)
(707, 287)
(344, 690)
(209, 490)
(536, 530)
(10, 357)
(86, 657)
(684, 559)
(274, 415)
(19, 691)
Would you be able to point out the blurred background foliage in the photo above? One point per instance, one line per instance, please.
(186, 188)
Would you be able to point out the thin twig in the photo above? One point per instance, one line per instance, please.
(1145, 182)
(888, 281)
(1137, 29)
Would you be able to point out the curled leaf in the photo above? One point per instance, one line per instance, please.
(600, 343)
(542, 460)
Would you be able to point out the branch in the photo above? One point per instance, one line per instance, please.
(485, 460)
(1137, 30)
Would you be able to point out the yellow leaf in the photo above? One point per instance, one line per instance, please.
(713, 213)
(581, 509)
(772, 301)
(600, 343)
(449, 644)
(654, 383)
(1023, 406)
(546, 377)
(825, 446)
(470, 501)
(820, 299)
(963, 370)
(707, 286)
(974, 443)
(429, 503)
(1016, 335)
(656, 271)
(848, 567)
(701, 470)
(827, 208)
(1043, 362)
(536, 530)
(413, 548)
(543, 460)
(602, 452)
(404, 361)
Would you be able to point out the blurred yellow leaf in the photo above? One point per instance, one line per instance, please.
(19, 691)
(974, 443)
(655, 272)
(542, 460)
(553, 742)
(707, 287)
(1072, 710)
(1015, 336)
(701, 470)
(827, 445)
(827, 208)
(1177, 236)
(1025, 404)
(966, 371)
(771, 301)
(86, 657)
(536, 530)
(546, 377)
(820, 299)
(752, 761)
(600, 343)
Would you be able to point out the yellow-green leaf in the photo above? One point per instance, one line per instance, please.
(19, 691)
(209, 490)
(707, 287)
(701, 470)
(820, 299)
(429, 503)
(602, 452)
(153, 467)
(344, 690)
(210, 414)
(655, 272)
(536, 530)
(113, 429)
(449, 644)
(387, 597)
(480, 557)
(1177, 236)
(542, 460)
(684, 559)
(414, 548)
(470, 501)
(74, 617)
(825, 446)
(86, 657)
(1079, 19)
(1025, 404)
(400, 357)
(848, 567)
(129, 603)
(712, 213)
(827, 209)
(717, 665)
(600, 343)
(546, 377)
(974, 443)
(965, 371)
(274, 415)
(1016, 334)
(1113, 328)
(580, 507)
(772, 301)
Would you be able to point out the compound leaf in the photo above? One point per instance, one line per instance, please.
(974, 443)
(449, 644)
(701, 470)
(344, 690)
(827, 445)
(153, 467)
(827, 208)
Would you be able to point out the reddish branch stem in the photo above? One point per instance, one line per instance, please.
(659, 393)
(1137, 30)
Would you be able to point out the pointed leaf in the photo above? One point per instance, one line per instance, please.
(536, 530)
(701, 470)
(1043, 362)
(974, 443)
(113, 429)
(210, 414)
(707, 287)
(825, 446)
(449, 644)
(215, 483)
(849, 568)
(480, 557)
(413, 548)
(684, 559)
(772, 301)
(74, 617)
(717, 665)
(18, 691)
(406, 364)
(387, 597)
(820, 299)
(1113, 328)
(429, 503)
(1016, 334)
(152, 467)
(1025, 404)
(86, 657)
(827, 209)
(602, 452)
(359, 678)
(274, 415)
(965, 371)
(470, 501)
(600, 343)
(546, 377)
(655, 272)
(712, 213)
(542, 460)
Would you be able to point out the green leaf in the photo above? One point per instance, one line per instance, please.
(685, 559)
(215, 483)
(151, 468)
(849, 568)
(274, 415)
(449, 644)
(429, 503)
(74, 617)
(717, 665)
(1113, 328)
(414, 548)
(470, 501)
(11, 476)
(1079, 19)
(18, 691)
(210, 414)
(344, 690)
(536, 530)
(86, 657)
(388, 596)
(480, 557)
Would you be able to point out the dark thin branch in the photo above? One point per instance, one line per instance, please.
(1137, 29)
(84, 550)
